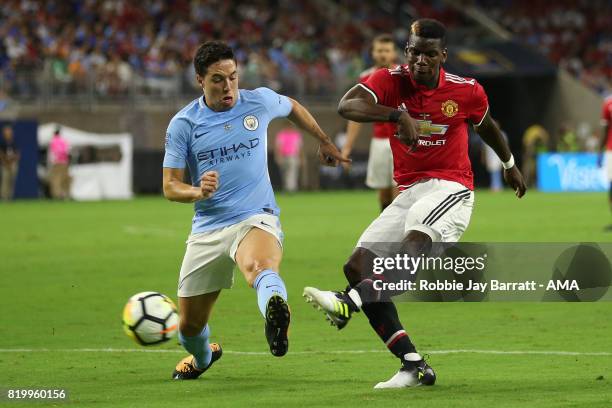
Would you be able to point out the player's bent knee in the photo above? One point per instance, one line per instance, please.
(252, 268)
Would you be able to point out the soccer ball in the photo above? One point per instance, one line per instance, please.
(150, 318)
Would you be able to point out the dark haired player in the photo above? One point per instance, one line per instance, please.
(432, 110)
(380, 161)
(221, 137)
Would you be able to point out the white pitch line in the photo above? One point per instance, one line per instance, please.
(260, 353)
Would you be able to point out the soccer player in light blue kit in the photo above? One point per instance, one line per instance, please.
(222, 138)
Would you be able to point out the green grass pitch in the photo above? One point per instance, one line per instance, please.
(68, 268)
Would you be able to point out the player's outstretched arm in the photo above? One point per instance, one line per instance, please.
(490, 133)
(176, 190)
(328, 152)
(359, 105)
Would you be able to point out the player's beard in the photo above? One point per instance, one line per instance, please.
(427, 77)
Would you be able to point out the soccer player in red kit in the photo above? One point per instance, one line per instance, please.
(433, 110)
(605, 144)
(380, 161)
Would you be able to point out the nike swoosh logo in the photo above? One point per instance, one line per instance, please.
(267, 225)
(271, 286)
(201, 134)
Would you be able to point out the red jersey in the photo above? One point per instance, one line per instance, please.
(382, 130)
(442, 115)
(606, 120)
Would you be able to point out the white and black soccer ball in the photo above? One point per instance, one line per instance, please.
(150, 318)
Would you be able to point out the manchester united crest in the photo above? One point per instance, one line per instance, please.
(450, 108)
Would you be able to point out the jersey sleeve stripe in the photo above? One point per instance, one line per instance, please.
(396, 70)
(457, 77)
(483, 117)
(449, 75)
(370, 91)
(463, 81)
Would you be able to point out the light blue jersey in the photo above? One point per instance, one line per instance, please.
(233, 143)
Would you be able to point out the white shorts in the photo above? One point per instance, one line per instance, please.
(439, 208)
(608, 159)
(209, 260)
(380, 164)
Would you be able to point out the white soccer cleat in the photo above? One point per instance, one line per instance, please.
(401, 379)
(414, 372)
(336, 308)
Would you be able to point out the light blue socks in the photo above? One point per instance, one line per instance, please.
(267, 284)
(199, 347)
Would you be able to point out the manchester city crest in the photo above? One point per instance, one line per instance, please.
(250, 122)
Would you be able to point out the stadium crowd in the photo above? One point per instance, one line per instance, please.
(113, 47)
(574, 34)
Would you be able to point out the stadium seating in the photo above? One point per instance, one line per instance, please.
(114, 48)
(117, 48)
(573, 34)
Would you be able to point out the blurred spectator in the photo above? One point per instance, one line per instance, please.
(9, 161)
(535, 140)
(587, 139)
(288, 154)
(58, 160)
(114, 76)
(8, 109)
(567, 141)
(591, 143)
(60, 76)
